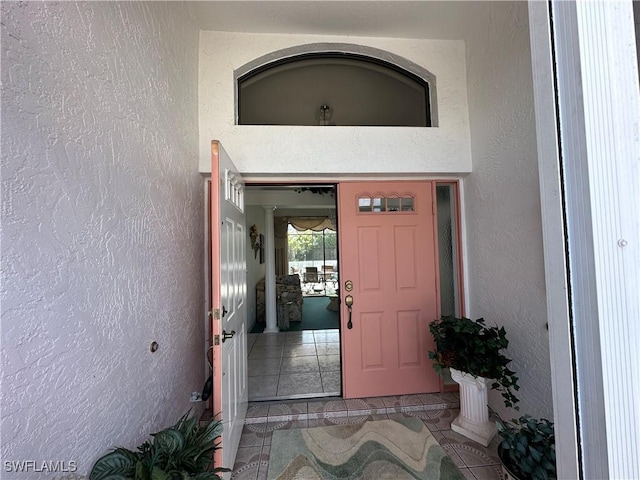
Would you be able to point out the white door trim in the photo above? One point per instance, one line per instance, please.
(592, 46)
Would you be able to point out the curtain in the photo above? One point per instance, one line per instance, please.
(281, 240)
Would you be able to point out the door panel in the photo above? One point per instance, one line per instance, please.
(372, 343)
(369, 248)
(228, 267)
(387, 249)
(409, 343)
(406, 251)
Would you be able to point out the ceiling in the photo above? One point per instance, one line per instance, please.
(448, 20)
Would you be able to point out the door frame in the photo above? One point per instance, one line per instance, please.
(461, 264)
(208, 298)
(265, 182)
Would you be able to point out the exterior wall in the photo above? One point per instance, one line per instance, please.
(101, 227)
(323, 151)
(504, 253)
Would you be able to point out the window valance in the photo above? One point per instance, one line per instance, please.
(317, 224)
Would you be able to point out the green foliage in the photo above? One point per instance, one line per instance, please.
(475, 348)
(528, 447)
(309, 246)
(183, 451)
(303, 247)
(331, 191)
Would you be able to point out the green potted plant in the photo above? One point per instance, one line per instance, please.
(183, 451)
(527, 450)
(473, 353)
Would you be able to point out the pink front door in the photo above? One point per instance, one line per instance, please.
(388, 258)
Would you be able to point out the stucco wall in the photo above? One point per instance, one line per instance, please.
(503, 220)
(314, 150)
(101, 227)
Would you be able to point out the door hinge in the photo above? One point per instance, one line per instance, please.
(216, 339)
(216, 313)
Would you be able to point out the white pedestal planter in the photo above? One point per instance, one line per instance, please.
(473, 421)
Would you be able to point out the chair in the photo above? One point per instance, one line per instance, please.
(311, 275)
(311, 280)
(288, 300)
(327, 272)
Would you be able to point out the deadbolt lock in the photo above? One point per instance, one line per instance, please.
(348, 285)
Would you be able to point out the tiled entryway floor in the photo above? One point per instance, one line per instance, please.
(435, 410)
(304, 364)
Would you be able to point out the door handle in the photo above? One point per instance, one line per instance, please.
(226, 336)
(348, 300)
(224, 311)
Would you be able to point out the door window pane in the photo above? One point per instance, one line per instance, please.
(393, 204)
(385, 204)
(447, 251)
(364, 204)
(407, 204)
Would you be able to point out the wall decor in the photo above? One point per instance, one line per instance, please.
(256, 240)
(261, 247)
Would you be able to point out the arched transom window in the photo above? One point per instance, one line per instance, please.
(333, 88)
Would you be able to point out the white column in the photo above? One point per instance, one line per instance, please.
(270, 276)
(473, 421)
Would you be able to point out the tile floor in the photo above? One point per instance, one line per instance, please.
(435, 410)
(294, 365)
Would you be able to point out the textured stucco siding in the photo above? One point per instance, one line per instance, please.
(502, 200)
(343, 150)
(101, 227)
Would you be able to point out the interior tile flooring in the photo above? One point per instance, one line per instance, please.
(435, 410)
(294, 365)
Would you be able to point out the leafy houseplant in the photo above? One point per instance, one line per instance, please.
(184, 451)
(475, 348)
(527, 449)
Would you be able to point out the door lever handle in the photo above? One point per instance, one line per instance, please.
(348, 300)
(226, 336)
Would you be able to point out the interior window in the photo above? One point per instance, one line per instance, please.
(327, 89)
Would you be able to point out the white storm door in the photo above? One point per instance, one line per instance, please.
(229, 293)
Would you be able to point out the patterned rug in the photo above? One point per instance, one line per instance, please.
(382, 449)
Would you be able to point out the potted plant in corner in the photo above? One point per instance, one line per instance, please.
(472, 351)
(184, 451)
(527, 450)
